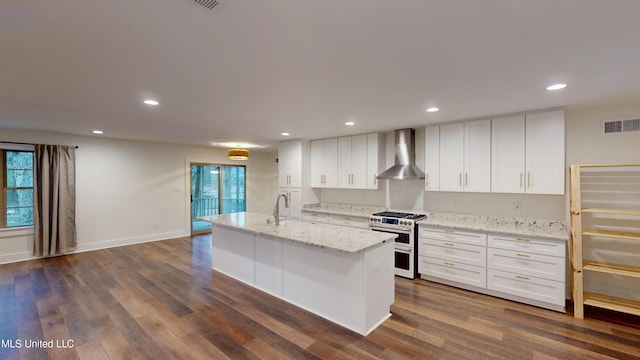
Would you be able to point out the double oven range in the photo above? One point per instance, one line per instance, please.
(406, 246)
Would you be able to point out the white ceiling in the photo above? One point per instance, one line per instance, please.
(254, 69)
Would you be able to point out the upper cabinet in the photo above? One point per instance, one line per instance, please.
(375, 159)
(352, 163)
(465, 156)
(324, 163)
(290, 164)
(432, 158)
(528, 153)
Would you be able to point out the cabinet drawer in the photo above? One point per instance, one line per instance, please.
(456, 252)
(357, 222)
(542, 266)
(465, 237)
(529, 287)
(529, 244)
(340, 220)
(315, 217)
(453, 271)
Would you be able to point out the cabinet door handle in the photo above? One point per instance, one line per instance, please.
(449, 263)
(449, 244)
(529, 180)
(521, 180)
(523, 255)
(466, 179)
(523, 239)
(426, 179)
(375, 179)
(460, 178)
(522, 277)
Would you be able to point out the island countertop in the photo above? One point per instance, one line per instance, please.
(334, 237)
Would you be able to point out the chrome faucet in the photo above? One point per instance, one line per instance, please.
(276, 209)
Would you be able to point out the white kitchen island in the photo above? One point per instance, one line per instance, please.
(342, 274)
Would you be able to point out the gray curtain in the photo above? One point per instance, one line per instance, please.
(55, 200)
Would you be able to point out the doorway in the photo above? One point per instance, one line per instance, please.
(215, 189)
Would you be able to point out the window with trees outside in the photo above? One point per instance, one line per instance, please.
(17, 194)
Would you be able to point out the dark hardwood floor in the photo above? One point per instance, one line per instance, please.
(161, 300)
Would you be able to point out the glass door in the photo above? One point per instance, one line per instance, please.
(215, 189)
(233, 187)
(205, 195)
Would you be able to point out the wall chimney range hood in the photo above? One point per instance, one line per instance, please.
(405, 160)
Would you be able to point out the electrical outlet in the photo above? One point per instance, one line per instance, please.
(454, 203)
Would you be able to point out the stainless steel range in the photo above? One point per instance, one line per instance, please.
(404, 225)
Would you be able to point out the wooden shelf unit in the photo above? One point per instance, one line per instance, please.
(578, 264)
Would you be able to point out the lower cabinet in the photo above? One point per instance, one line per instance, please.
(525, 269)
(334, 219)
(453, 255)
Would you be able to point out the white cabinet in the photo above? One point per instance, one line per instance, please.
(294, 211)
(465, 156)
(432, 158)
(290, 164)
(528, 153)
(324, 163)
(335, 219)
(375, 159)
(451, 156)
(352, 163)
(545, 152)
(458, 256)
(350, 221)
(526, 269)
(313, 217)
(508, 154)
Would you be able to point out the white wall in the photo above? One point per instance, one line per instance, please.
(124, 188)
(587, 145)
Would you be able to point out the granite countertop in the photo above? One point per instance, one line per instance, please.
(341, 238)
(549, 229)
(363, 211)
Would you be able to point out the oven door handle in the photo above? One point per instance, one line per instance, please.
(390, 231)
(404, 250)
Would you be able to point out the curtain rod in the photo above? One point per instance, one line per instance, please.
(21, 143)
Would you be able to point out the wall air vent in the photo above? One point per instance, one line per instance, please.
(210, 4)
(620, 126)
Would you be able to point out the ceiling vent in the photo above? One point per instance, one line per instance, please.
(210, 4)
(620, 126)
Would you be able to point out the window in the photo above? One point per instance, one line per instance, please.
(17, 194)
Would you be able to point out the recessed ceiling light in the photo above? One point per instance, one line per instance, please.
(151, 102)
(98, 132)
(556, 86)
(432, 109)
(349, 123)
(285, 134)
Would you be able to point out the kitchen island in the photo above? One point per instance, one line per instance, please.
(342, 274)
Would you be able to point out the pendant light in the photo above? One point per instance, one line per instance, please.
(238, 154)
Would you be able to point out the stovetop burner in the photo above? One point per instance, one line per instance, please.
(399, 215)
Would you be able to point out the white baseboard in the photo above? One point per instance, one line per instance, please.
(24, 256)
(130, 241)
(16, 257)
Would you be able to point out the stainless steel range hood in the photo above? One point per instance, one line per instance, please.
(405, 167)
